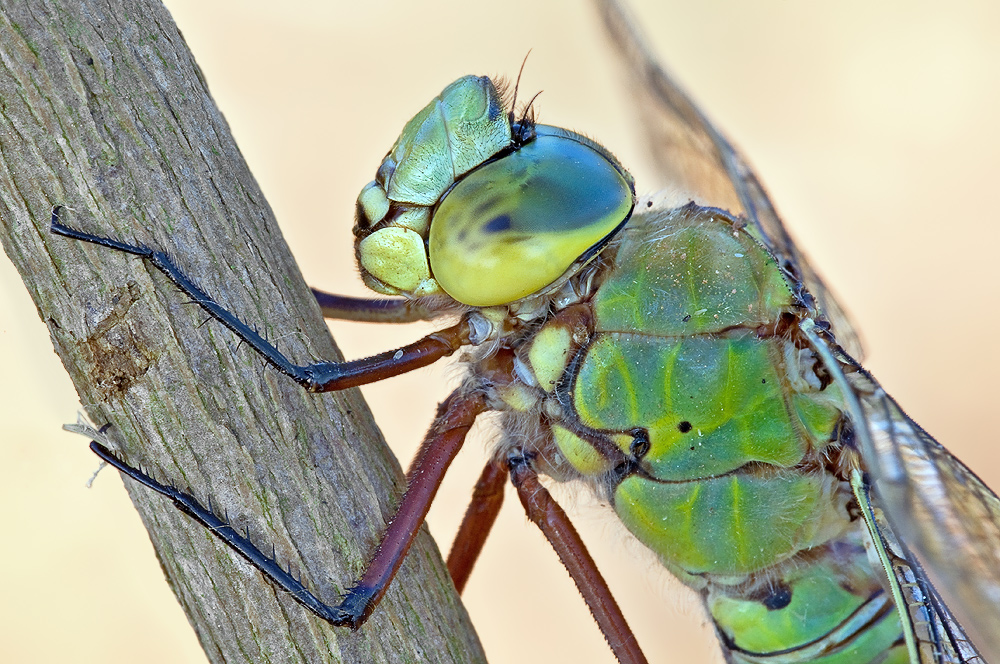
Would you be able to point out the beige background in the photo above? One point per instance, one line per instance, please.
(875, 129)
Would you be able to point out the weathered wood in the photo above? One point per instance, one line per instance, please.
(103, 109)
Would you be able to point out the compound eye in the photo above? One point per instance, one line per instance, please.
(514, 225)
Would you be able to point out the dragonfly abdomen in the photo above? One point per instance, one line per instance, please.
(825, 605)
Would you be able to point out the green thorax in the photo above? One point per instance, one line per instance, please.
(688, 349)
(721, 431)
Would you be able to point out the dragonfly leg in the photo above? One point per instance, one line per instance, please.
(242, 545)
(443, 441)
(366, 310)
(545, 513)
(487, 498)
(441, 444)
(317, 377)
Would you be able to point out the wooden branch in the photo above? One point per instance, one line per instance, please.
(103, 110)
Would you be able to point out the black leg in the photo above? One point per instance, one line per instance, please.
(317, 377)
(365, 310)
(442, 443)
(268, 566)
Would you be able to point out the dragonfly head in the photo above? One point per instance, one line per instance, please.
(468, 206)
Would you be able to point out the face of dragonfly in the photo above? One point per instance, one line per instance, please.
(876, 140)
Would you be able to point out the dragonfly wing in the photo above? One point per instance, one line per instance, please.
(941, 509)
(696, 161)
(934, 504)
(940, 639)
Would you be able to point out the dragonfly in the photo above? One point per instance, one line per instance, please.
(877, 428)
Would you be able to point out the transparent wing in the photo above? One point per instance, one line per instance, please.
(946, 520)
(932, 634)
(941, 510)
(940, 638)
(696, 161)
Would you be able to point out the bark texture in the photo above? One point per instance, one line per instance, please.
(103, 110)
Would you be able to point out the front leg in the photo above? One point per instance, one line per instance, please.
(315, 377)
(221, 422)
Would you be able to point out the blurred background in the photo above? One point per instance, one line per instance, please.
(873, 126)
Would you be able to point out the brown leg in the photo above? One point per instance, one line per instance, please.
(443, 441)
(482, 512)
(332, 376)
(555, 525)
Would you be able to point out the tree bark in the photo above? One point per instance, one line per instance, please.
(103, 110)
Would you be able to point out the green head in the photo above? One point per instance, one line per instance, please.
(486, 211)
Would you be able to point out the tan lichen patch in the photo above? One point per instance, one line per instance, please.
(116, 350)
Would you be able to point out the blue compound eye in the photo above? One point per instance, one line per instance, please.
(513, 226)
